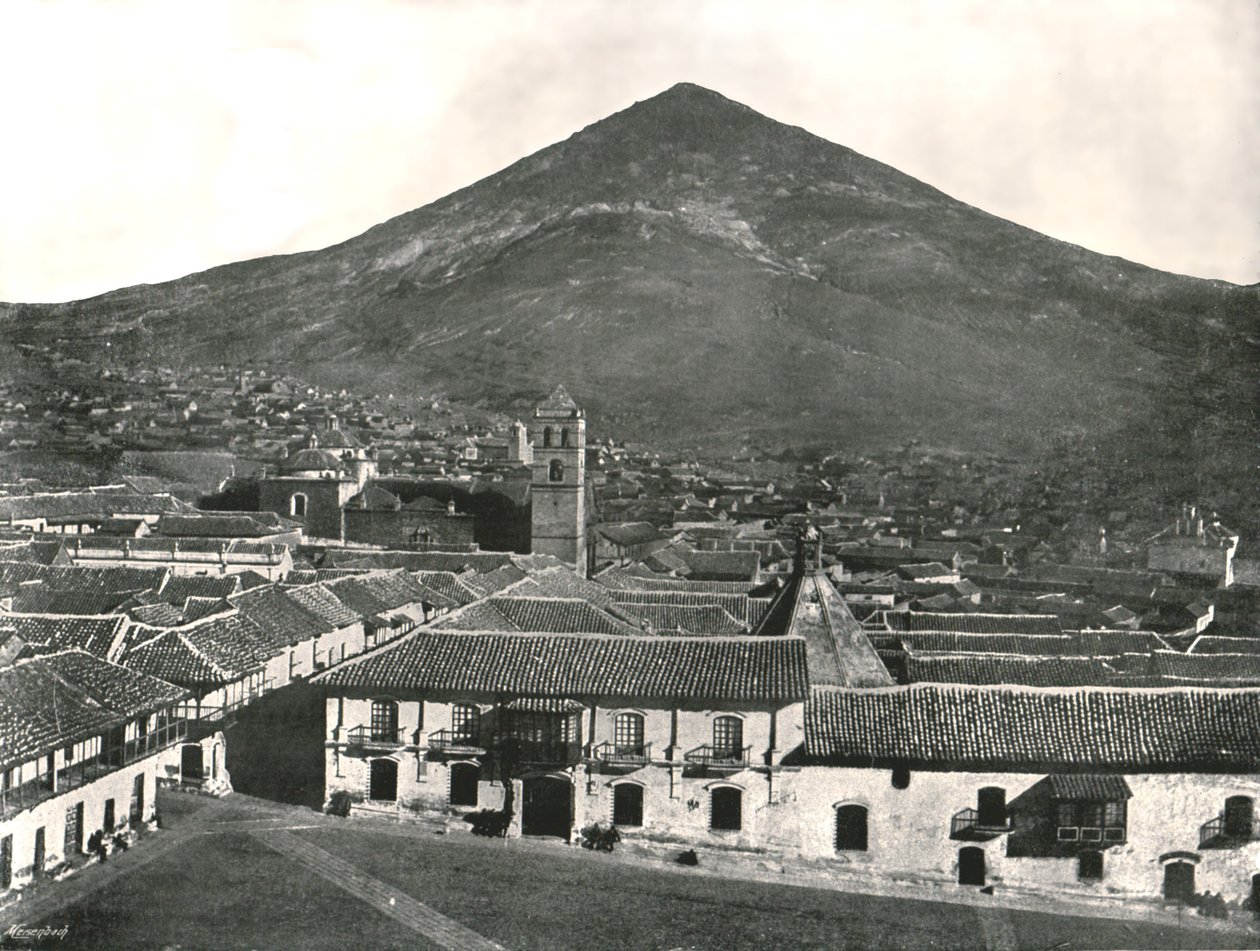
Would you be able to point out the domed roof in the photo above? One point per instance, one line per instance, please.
(312, 460)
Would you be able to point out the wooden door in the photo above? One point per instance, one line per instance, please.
(971, 866)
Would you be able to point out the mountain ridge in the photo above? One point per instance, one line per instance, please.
(700, 273)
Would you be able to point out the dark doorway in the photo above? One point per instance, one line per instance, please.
(627, 805)
(1254, 901)
(1089, 866)
(1179, 881)
(547, 807)
(383, 785)
(74, 830)
(851, 829)
(190, 763)
(108, 824)
(991, 806)
(464, 777)
(37, 868)
(6, 861)
(971, 866)
(726, 809)
(137, 799)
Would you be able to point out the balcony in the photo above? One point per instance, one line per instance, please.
(972, 827)
(451, 742)
(718, 758)
(1220, 833)
(613, 755)
(541, 752)
(1092, 836)
(368, 738)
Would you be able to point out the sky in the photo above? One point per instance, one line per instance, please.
(141, 141)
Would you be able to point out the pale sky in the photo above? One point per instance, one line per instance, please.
(141, 140)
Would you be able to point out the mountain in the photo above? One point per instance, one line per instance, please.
(699, 274)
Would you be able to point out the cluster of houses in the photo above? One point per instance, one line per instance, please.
(815, 680)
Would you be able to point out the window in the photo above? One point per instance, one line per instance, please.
(726, 809)
(546, 437)
(1089, 866)
(384, 721)
(564, 437)
(297, 505)
(1081, 821)
(991, 806)
(628, 733)
(1239, 813)
(555, 472)
(728, 736)
(68, 753)
(465, 722)
(851, 829)
(109, 822)
(900, 778)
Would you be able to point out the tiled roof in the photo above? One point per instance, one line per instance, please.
(580, 665)
(1007, 669)
(173, 657)
(42, 599)
(86, 578)
(630, 533)
(197, 608)
(621, 579)
(448, 584)
(689, 619)
(159, 614)
(1024, 728)
(280, 617)
(495, 580)
(230, 643)
(179, 588)
(1081, 644)
(323, 603)
(374, 593)
(314, 576)
(1226, 670)
(973, 623)
(561, 582)
(739, 606)
(95, 635)
(555, 615)
(1212, 644)
(224, 525)
(66, 504)
(55, 699)
(481, 561)
(558, 402)
(1097, 788)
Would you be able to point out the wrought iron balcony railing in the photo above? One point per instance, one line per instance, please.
(620, 754)
(970, 824)
(370, 737)
(718, 757)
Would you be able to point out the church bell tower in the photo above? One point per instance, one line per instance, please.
(557, 433)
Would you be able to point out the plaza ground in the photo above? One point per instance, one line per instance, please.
(246, 873)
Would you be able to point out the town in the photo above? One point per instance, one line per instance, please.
(898, 668)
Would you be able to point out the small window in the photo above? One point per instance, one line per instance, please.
(1089, 866)
(297, 505)
(901, 778)
(726, 809)
(991, 806)
(546, 437)
(564, 438)
(851, 829)
(1239, 812)
(728, 736)
(555, 472)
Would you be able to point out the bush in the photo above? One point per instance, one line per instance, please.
(339, 804)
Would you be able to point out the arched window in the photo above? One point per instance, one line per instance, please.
(1239, 816)
(851, 829)
(726, 809)
(628, 734)
(297, 505)
(728, 736)
(465, 723)
(555, 472)
(546, 437)
(384, 721)
(900, 777)
(564, 437)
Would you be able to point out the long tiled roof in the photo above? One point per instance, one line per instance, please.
(688, 619)
(1224, 670)
(1078, 644)
(481, 561)
(374, 593)
(496, 580)
(621, 579)
(43, 599)
(179, 588)
(554, 615)
(173, 657)
(739, 606)
(65, 504)
(86, 578)
(764, 669)
(55, 699)
(973, 623)
(1212, 644)
(159, 614)
(229, 644)
(320, 601)
(1025, 728)
(279, 616)
(224, 525)
(448, 584)
(1007, 669)
(561, 582)
(95, 635)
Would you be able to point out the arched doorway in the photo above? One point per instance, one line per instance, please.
(190, 763)
(546, 806)
(464, 777)
(383, 785)
(971, 866)
(1179, 881)
(627, 804)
